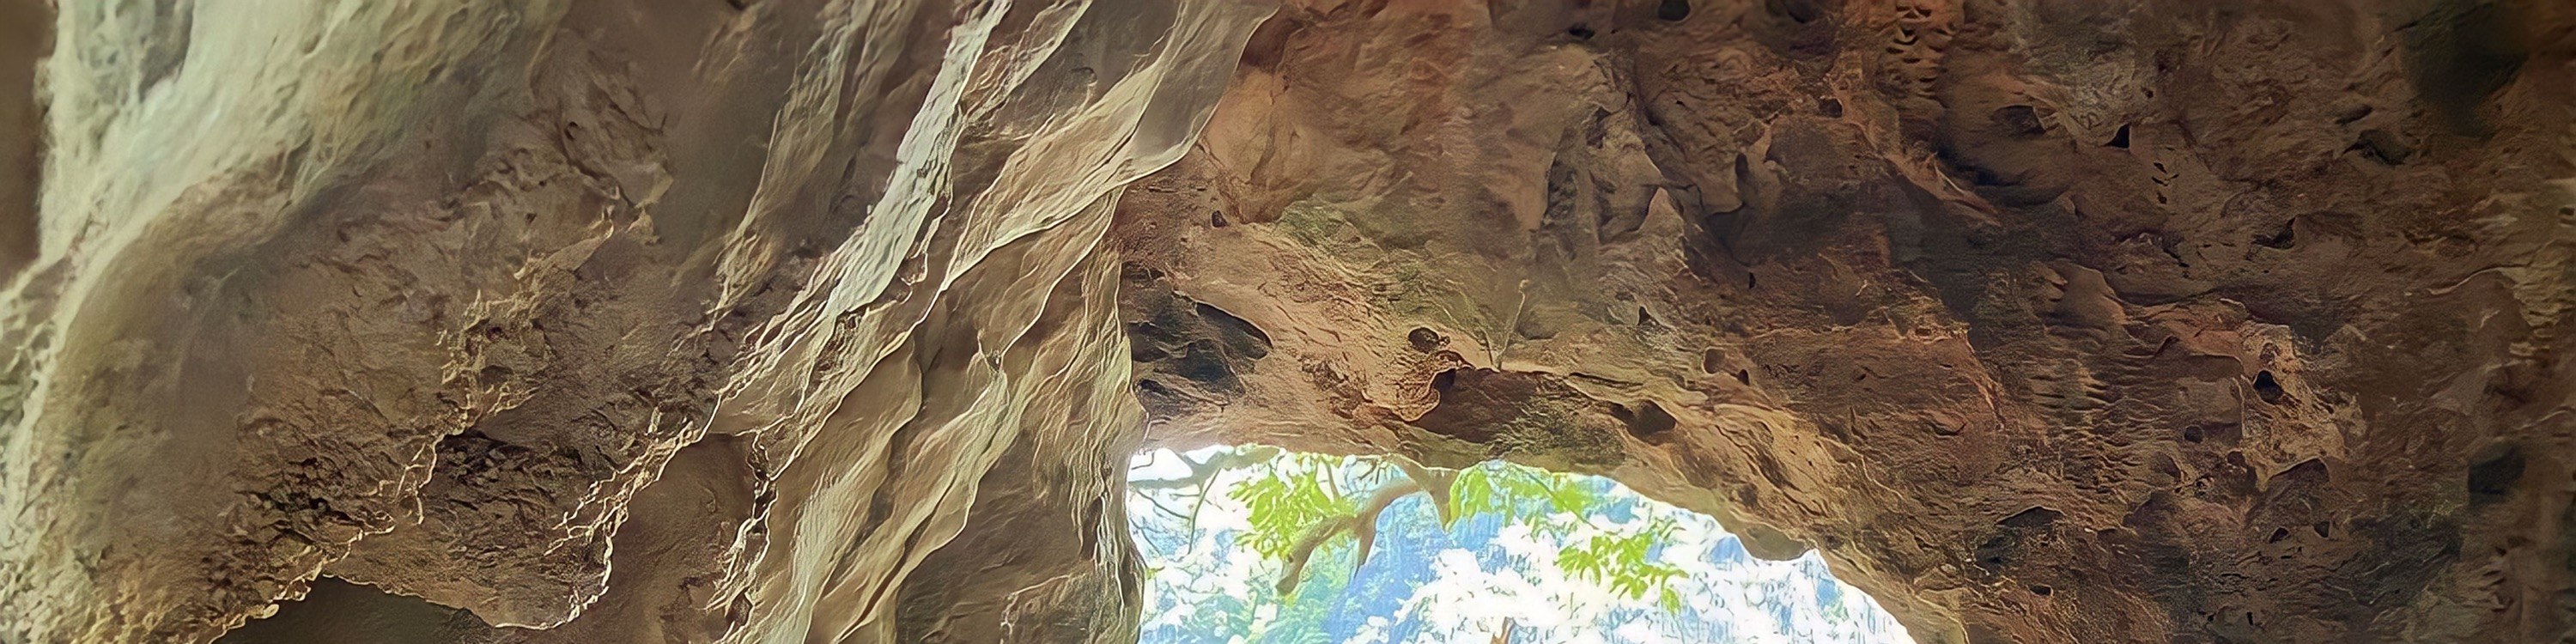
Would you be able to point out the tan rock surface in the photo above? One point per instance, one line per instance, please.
(450, 298)
(834, 320)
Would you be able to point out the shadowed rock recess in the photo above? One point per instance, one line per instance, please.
(837, 320)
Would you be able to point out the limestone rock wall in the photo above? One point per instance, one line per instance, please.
(2046, 321)
(834, 320)
(643, 321)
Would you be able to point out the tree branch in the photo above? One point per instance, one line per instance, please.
(1202, 471)
(1362, 524)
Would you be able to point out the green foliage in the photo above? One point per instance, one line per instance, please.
(1491, 490)
(1291, 494)
(1211, 585)
(1285, 493)
(1621, 559)
(1296, 492)
(1623, 562)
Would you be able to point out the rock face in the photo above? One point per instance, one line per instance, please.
(2053, 321)
(801, 320)
(644, 321)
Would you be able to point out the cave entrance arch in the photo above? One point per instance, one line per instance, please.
(1255, 543)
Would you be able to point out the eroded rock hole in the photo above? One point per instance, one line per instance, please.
(1799, 11)
(1091, 529)
(1673, 10)
(1646, 421)
(2285, 238)
(2035, 517)
(1424, 339)
(339, 612)
(2268, 388)
(2022, 120)
(1259, 544)
(2493, 476)
(2384, 146)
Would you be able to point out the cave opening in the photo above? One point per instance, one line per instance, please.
(1256, 544)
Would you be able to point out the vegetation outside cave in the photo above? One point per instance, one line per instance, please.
(1254, 545)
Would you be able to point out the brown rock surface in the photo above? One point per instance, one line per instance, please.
(2051, 321)
(800, 320)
